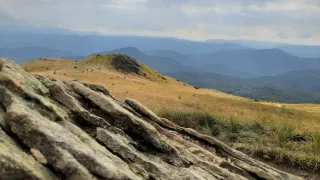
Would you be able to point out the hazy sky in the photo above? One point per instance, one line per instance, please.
(296, 21)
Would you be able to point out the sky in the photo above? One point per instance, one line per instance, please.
(291, 21)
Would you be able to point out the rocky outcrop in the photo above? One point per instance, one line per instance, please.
(69, 130)
(119, 62)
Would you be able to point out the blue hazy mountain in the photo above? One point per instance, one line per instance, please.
(183, 59)
(301, 86)
(261, 62)
(23, 54)
(308, 51)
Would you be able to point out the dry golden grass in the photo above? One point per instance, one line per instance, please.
(311, 108)
(158, 94)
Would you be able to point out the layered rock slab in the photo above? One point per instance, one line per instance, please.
(69, 130)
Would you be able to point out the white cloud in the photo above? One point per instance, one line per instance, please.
(296, 20)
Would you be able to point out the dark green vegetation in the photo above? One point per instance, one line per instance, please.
(280, 143)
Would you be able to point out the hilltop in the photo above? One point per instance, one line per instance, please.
(119, 62)
(96, 63)
(162, 64)
(266, 130)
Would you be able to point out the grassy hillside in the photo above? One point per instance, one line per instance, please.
(277, 132)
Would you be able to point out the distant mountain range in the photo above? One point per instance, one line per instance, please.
(182, 59)
(20, 34)
(22, 54)
(307, 51)
(256, 69)
(88, 44)
(302, 51)
(264, 62)
(278, 76)
(294, 87)
(245, 63)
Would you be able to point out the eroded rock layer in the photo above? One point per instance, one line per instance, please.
(51, 129)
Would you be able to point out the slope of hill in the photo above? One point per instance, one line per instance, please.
(267, 130)
(264, 62)
(254, 44)
(182, 59)
(188, 61)
(71, 130)
(308, 80)
(207, 79)
(302, 51)
(302, 86)
(222, 69)
(124, 64)
(160, 63)
(97, 62)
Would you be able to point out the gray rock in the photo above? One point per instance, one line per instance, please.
(17, 164)
(98, 88)
(51, 129)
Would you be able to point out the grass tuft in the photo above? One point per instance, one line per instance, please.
(284, 133)
(316, 142)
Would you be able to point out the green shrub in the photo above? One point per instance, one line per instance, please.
(216, 130)
(284, 133)
(234, 126)
(316, 142)
(257, 127)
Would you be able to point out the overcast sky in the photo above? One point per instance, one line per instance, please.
(295, 21)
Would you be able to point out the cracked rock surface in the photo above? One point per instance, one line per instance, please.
(51, 129)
